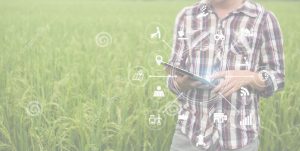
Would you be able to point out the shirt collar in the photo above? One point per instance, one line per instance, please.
(247, 8)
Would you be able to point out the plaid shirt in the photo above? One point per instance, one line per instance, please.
(249, 38)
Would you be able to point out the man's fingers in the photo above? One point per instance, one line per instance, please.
(204, 86)
(196, 84)
(228, 88)
(182, 79)
(220, 86)
(185, 78)
(234, 89)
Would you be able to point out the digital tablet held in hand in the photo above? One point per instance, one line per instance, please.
(182, 72)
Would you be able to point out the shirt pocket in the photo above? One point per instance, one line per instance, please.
(199, 41)
(199, 52)
(239, 53)
(241, 45)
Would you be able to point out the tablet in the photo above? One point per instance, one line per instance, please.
(184, 72)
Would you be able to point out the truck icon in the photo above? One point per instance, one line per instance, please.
(220, 118)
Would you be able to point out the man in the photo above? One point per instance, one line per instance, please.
(238, 45)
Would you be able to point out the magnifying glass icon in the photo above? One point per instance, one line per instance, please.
(159, 59)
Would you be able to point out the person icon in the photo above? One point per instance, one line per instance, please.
(158, 92)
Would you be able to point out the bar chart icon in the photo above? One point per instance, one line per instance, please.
(247, 121)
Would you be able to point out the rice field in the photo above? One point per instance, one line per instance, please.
(64, 68)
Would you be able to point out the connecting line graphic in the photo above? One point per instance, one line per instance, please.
(152, 76)
(167, 44)
(240, 76)
(228, 101)
(170, 103)
(178, 96)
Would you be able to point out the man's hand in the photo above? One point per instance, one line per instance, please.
(235, 79)
(185, 83)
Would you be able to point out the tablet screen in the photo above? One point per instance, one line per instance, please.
(184, 72)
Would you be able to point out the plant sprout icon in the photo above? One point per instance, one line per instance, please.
(203, 11)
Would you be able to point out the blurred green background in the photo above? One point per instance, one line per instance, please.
(60, 91)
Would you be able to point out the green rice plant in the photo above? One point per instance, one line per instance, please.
(82, 97)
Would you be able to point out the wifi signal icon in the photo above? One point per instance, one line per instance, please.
(244, 92)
